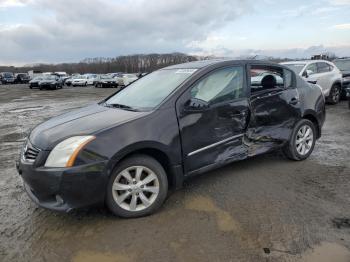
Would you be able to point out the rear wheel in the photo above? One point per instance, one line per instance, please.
(137, 187)
(302, 141)
(334, 95)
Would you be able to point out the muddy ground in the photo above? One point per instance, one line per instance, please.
(262, 209)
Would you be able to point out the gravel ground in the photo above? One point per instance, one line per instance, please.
(263, 209)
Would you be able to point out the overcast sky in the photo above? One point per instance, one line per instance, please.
(34, 31)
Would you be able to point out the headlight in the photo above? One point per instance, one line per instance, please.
(65, 153)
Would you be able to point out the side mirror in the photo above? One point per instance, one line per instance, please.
(196, 105)
(307, 73)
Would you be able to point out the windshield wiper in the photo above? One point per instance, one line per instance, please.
(124, 107)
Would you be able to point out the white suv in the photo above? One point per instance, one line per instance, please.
(320, 72)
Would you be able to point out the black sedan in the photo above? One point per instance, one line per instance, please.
(7, 78)
(128, 150)
(35, 82)
(50, 82)
(105, 81)
(22, 78)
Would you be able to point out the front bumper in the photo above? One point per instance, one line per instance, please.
(47, 86)
(64, 189)
(108, 84)
(34, 84)
(8, 81)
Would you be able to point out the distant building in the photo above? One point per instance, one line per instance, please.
(324, 56)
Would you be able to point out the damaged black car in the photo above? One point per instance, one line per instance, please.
(130, 149)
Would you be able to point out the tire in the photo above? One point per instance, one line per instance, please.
(292, 149)
(148, 168)
(334, 95)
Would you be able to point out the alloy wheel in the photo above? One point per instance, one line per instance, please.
(335, 94)
(304, 140)
(135, 188)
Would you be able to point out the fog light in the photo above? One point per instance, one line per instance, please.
(59, 199)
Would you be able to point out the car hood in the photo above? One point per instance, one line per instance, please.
(85, 121)
(47, 81)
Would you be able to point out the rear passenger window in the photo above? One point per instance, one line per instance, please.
(268, 77)
(323, 67)
(222, 85)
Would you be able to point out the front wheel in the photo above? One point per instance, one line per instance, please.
(137, 187)
(334, 95)
(302, 141)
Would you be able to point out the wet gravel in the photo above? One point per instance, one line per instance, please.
(263, 209)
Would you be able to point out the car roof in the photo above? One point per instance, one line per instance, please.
(205, 63)
(342, 59)
(304, 62)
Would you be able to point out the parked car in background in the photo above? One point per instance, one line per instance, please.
(344, 66)
(7, 78)
(258, 75)
(116, 152)
(35, 82)
(129, 78)
(320, 72)
(348, 95)
(50, 82)
(22, 78)
(91, 79)
(106, 81)
(80, 81)
(68, 81)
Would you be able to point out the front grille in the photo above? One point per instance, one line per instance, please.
(30, 153)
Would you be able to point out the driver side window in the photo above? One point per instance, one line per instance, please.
(222, 85)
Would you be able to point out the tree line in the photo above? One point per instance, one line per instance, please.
(129, 64)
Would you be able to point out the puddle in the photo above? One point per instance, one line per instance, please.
(224, 220)
(89, 256)
(327, 252)
(341, 222)
(25, 109)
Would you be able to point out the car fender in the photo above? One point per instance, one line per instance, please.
(160, 152)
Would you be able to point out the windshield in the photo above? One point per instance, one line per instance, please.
(37, 78)
(149, 91)
(49, 77)
(9, 75)
(295, 67)
(343, 65)
(105, 77)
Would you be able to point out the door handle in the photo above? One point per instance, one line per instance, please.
(312, 82)
(294, 101)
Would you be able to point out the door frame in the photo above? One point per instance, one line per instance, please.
(179, 112)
